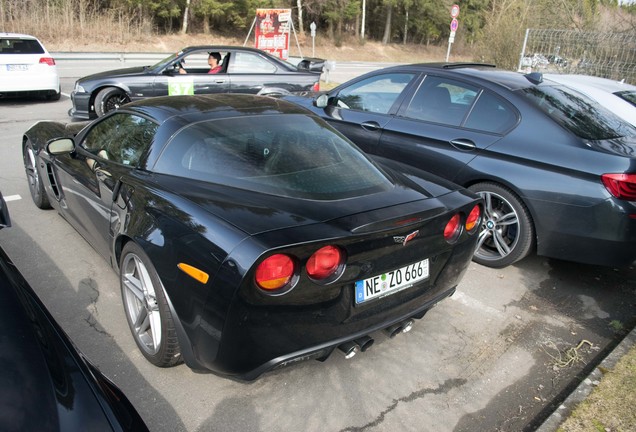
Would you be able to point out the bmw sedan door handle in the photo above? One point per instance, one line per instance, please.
(370, 125)
(463, 144)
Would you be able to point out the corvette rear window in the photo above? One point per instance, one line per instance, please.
(287, 155)
(20, 46)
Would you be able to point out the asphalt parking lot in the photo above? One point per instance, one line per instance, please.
(491, 358)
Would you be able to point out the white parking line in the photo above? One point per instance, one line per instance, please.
(12, 198)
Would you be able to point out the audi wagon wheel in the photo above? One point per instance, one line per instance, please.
(36, 187)
(507, 232)
(146, 308)
(109, 99)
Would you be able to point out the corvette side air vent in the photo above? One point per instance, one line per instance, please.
(53, 181)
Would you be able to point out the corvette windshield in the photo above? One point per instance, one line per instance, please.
(288, 155)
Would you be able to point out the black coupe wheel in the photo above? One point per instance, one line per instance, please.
(38, 194)
(146, 308)
(109, 99)
(507, 232)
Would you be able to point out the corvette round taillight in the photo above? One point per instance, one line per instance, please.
(472, 221)
(325, 262)
(452, 229)
(275, 272)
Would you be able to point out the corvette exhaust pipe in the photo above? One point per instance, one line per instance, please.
(349, 349)
(364, 343)
(396, 329)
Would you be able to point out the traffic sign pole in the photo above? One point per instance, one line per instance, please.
(453, 28)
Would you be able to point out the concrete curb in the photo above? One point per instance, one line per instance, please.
(552, 423)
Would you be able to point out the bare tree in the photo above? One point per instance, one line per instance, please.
(186, 15)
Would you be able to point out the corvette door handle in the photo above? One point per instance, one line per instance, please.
(370, 125)
(463, 144)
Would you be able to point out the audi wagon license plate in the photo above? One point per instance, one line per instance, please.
(391, 282)
(17, 67)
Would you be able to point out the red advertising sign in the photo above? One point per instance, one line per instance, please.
(272, 31)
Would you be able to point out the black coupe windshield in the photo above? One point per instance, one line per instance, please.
(288, 155)
(582, 116)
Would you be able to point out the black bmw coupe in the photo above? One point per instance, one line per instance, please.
(187, 72)
(249, 234)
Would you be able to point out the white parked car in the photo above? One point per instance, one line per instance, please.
(616, 96)
(27, 68)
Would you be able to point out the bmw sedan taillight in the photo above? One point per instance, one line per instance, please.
(316, 87)
(622, 186)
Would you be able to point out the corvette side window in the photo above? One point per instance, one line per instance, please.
(121, 138)
(375, 94)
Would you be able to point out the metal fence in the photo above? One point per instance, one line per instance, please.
(608, 55)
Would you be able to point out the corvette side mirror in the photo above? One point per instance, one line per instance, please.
(321, 101)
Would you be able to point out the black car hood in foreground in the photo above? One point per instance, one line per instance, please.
(238, 207)
(45, 384)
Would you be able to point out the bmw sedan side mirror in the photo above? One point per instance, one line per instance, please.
(60, 146)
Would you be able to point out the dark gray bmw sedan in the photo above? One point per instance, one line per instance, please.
(556, 169)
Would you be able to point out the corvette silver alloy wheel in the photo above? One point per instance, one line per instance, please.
(507, 233)
(140, 301)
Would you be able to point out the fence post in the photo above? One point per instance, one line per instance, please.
(523, 49)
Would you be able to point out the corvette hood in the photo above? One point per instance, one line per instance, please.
(117, 73)
(255, 212)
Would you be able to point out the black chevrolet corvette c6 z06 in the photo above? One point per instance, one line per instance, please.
(248, 234)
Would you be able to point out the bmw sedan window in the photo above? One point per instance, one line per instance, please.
(122, 138)
(491, 114)
(290, 155)
(441, 100)
(376, 94)
(628, 96)
(579, 114)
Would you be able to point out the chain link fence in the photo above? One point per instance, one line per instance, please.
(607, 55)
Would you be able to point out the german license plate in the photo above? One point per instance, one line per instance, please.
(17, 67)
(391, 282)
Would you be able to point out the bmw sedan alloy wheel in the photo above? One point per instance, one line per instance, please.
(507, 234)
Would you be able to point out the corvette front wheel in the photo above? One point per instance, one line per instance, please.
(36, 188)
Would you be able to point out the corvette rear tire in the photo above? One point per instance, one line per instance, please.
(36, 188)
(146, 308)
(109, 99)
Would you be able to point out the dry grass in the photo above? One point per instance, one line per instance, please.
(611, 406)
